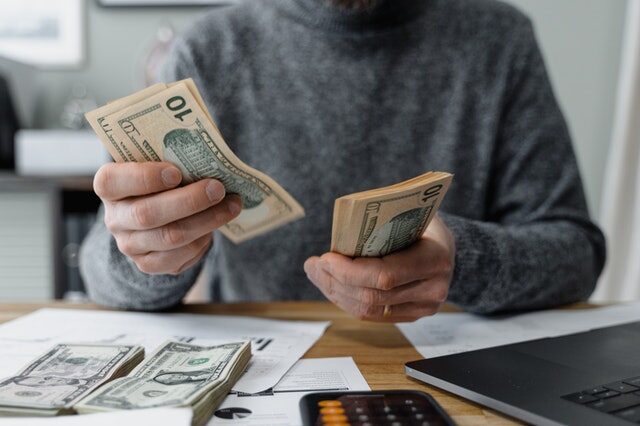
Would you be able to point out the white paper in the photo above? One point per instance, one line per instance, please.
(450, 333)
(59, 152)
(152, 416)
(276, 345)
(279, 406)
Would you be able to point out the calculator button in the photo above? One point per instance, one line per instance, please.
(597, 389)
(334, 418)
(329, 403)
(635, 381)
(332, 410)
(581, 398)
(607, 394)
(621, 387)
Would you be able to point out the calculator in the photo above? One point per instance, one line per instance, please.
(372, 408)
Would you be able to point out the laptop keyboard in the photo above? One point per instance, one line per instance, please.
(620, 399)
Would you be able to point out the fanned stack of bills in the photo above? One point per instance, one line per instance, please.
(176, 375)
(380, 221)
(55, 382)
(171, 123)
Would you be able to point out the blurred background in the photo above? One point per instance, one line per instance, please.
(60, 58)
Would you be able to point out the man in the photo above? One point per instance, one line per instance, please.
(333, 97)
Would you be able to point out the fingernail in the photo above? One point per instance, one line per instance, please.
(235, 205)
(170, 176)
(215, 191)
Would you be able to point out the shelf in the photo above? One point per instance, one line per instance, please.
(12, 181)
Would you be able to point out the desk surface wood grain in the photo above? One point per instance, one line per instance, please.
(379, 350)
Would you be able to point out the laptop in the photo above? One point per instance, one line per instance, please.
(588, 378)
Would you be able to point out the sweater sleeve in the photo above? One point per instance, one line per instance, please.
(536, 246)
(110, 277)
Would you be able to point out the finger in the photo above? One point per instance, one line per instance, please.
(169, 206)
(417, 262)
(196, 258)
(403, 312)
(116, 181)
(362, 309)
(328, 286)
(179, 233)
(433, 290)
(172, 261)
(324, 283)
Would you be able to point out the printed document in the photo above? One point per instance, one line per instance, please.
(279, 406)
(450, 333)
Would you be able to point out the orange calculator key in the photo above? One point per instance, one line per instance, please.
(332, 410)
(329, 403)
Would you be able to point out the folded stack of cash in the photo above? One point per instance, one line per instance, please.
(171, 123)
(55, 382)
(176, 375)
(380, 221)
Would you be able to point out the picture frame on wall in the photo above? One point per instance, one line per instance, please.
(43, 33)
(163, 2)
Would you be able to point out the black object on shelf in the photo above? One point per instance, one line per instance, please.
(77, 216)
(8, 127)
(76, 228)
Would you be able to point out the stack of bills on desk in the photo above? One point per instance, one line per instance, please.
(79, 377)
(176, 375)
(171, 123)
(276, 345)
(59, 378)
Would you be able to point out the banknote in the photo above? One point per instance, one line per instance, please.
(377, 222)
(173, 124)
(58, 379)
(177, 374)
(119, 148)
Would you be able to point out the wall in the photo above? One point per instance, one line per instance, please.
(116, 38)
(580, 39)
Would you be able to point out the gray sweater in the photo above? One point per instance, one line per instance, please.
(330, 102)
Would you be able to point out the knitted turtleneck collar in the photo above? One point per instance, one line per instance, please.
(382, 14)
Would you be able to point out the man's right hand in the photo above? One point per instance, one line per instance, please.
(162, 228)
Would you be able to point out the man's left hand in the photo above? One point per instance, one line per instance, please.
(413, 282)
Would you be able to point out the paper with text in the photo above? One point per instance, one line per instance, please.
(450, 333)
(279, 406)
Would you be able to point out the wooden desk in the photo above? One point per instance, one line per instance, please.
(379, 350)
